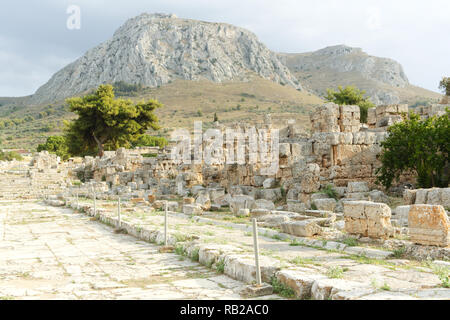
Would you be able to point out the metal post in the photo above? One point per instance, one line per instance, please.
(118, 211)
(256, 248)
(165, 223)
(95, 203)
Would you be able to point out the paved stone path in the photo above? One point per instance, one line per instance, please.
(54, 253)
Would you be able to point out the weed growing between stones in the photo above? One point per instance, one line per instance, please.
(350, 241)
(385, 287)
(443, 273)
(281, 289)
(194, 255)
(399, 252)
(299, 261)
(295, 243)
(220, 266)
(335, 272)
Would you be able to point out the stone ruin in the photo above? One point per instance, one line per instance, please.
(339, 151)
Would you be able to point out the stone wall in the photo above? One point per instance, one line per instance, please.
(386, 115)
(339, 150)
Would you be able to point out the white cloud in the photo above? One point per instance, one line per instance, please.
(373, 18)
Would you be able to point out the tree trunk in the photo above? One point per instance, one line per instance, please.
(101, 150)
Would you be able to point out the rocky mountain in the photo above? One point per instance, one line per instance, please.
(155, 49)
(383, 79)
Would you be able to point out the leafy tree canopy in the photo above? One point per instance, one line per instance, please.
(106, 123)
(146, 140)
(420, 147)
(56, 145)
(351, 96)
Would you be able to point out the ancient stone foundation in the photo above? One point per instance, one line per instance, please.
(429, 225)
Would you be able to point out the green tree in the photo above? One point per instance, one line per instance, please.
(351, 96)
(215, 117)
(417, 146)
(106, 123)
(146, 140)
(57, 145)
(444, 85)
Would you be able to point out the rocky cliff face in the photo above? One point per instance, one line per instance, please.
(343, 65)
(153, 49)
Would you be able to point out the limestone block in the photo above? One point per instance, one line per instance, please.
(300, 282)
(357, 187)
(269, 183)
(429, 225)
(284, 150)
(192, 209)
(263, 204)
(241, 202)
(378, 196)
(421, 196)
(259, 212)
(328, 204)
(296, 206)
(367, 219)
(243, 212)
(319, 195)
(434, 196)
(271, 194)
(303, 228)
(401, 214)
(445, 197)
(371, 116)
(409, 196)
(273, 220)
(357, 196)
(203, 200)
(188, 200)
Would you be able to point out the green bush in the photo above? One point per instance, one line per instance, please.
(146, 140)
(56, 145)
(420, 147)
(351, 96)
(9, 156)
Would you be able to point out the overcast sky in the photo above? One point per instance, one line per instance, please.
(35, 41)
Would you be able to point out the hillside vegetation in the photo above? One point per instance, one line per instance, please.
(184, 102)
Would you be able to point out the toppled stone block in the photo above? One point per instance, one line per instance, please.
(296, 206)
(271, 194)
(203, 200)
(429, 225)
(263, 204)
(301, 282)
(243, 212)
(378, 196)
(369, 219)
(269, 183)
(273, 220)
(259, 212)
(328, 204)
(192, 209)
(188, 200)
(401, 214)
(357, 186)
(303, 228)
(241, 202)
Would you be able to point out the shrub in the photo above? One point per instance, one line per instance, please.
(9, 156)
(351, 96)
(420, 147)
